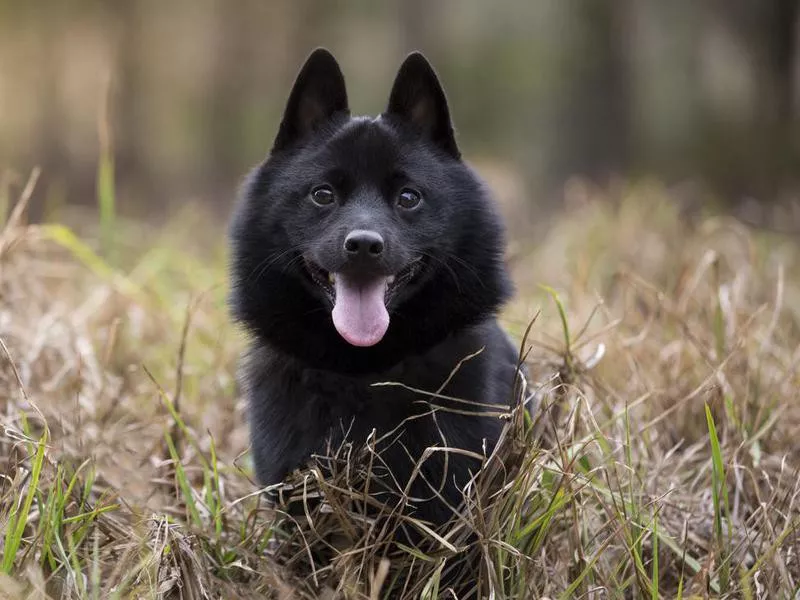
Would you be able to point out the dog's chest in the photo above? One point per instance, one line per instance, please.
(379, 401)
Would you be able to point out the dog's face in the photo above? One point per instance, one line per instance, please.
(363, 214)
(369, 211)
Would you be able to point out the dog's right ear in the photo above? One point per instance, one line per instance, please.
(317, 95)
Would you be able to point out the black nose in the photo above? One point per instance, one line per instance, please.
(361, 242)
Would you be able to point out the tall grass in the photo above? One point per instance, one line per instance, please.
(659, 461)
(105, 186)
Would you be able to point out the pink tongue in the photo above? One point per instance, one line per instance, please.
(359, 314)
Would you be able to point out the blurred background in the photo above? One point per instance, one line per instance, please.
(188, 93)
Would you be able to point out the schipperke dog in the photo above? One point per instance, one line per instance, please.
(364, 250)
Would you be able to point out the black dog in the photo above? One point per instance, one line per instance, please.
(366, 251)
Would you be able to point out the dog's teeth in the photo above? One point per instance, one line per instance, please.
(390, 279)
(331, 278)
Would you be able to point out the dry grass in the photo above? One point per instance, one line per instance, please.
(661, 462)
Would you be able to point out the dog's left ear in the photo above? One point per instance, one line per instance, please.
(317, 95)
(417, 98)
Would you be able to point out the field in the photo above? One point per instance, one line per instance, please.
(661, 461)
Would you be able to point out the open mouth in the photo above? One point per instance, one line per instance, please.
(359, 304)
(326, 280)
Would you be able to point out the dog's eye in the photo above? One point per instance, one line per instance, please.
(409, 199)
(323, 195)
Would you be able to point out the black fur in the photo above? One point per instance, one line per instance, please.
(305, 384)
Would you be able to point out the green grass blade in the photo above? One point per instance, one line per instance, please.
(562, 314)
(18, 519)
(654, 594)
(719, 493)
(183, 483)
(106, 197)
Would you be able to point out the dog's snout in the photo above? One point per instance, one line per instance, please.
(362, 242)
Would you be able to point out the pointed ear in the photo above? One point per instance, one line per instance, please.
(317, 95)
(417, 98)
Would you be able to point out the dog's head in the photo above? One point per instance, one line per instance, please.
(367, 216)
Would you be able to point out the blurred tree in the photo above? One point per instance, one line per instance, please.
(768, 32)
(775, 45)
(128, 84)
(593, 120)
(230, 74)
(49, 149)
